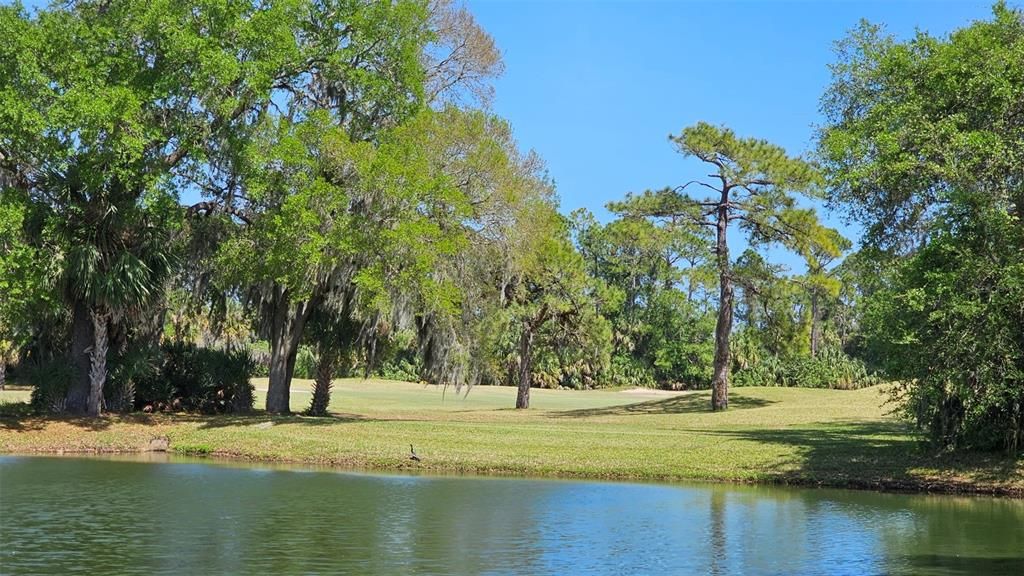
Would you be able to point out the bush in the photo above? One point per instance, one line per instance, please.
(626, 371)
(198, 379)
(948, 329)
(831, 368)
(305, 364)
(125, 371)
(50, 380)
(399, 369)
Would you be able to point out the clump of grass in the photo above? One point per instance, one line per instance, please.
(193, 449)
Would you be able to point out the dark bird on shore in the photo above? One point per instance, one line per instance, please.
(412, 454)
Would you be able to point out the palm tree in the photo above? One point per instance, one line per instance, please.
(116, 256)
(333, 331)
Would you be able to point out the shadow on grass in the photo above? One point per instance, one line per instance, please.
(683, 404)
(877, 454)
(262, 419)
(20, 417)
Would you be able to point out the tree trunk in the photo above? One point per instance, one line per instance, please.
(322, 384)
(79, 359)
(525, 367)
(98, 367)
(723, 328)
(282, 365)
(3, 372)
(285, 334)
(815, 324)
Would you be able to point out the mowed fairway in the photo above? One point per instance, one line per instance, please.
(791, 435)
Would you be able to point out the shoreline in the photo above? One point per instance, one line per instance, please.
(795, 437)
(885, 485)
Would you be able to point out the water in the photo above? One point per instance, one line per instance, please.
(95, 516)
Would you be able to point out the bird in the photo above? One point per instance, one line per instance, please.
(412, 454)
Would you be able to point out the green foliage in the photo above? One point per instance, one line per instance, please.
(925, 144)
(912, 123)
(948, 327)
(24, 277)
(134, 365)
(655, 278)
(305, 363)
(190, 378)
(550, 327)
(400, 369)
(50, 381)
(628, 372)
(761, 180)
(771, 306)
(680, 341)
(830, 368)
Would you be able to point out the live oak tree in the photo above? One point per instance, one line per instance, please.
(753, 186)
(504, 188)
(924, 145)
(357, 195)
(101, 102)
(340, 215)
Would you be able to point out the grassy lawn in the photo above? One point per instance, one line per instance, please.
(786, 435)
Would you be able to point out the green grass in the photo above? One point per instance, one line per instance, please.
(778, 435)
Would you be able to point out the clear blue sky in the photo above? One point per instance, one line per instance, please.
(596, 87)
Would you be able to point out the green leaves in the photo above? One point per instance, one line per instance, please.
(910, 123)
(754, 181)
(924, 145)
(23, 274)
(750, 165)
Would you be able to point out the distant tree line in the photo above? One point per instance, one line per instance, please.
(197, 192)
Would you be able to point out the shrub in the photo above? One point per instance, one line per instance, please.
(831, 368)
(198, 379)
(305, 364)
(50, 380)
(125, 371)
(399, 369)
(626, 371)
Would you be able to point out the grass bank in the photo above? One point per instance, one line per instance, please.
(769, 435)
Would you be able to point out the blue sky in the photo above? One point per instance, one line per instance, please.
(596, 87)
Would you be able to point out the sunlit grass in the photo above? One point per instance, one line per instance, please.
(828, 437)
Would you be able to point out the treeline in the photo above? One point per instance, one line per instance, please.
(198, 192)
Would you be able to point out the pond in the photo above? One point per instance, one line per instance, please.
(181, 516)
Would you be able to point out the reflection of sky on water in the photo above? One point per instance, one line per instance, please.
(719, 530)
(88, 516)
